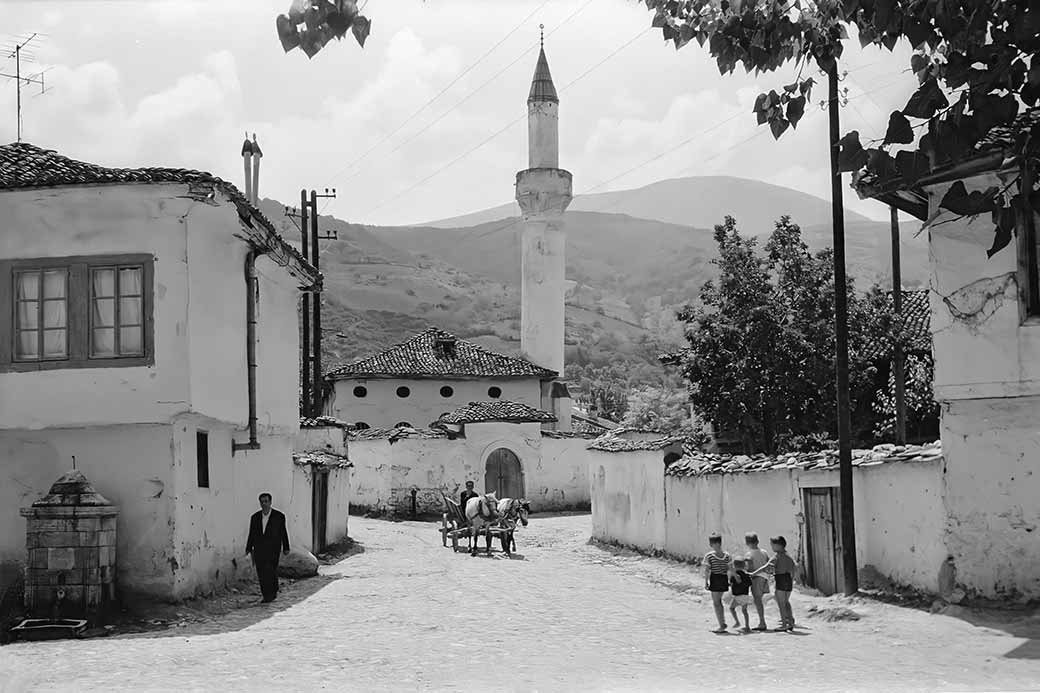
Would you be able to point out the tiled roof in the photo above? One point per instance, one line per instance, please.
(559, 435)
(613, 443)
(23, 165)
(395, 434)
(328, 460)
(322, 422)
(496, 410)
(1004, 136)
(917, 314)
(695, 463)
(434, 353)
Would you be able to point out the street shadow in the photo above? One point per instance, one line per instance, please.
(1020, 621)
(226, 613)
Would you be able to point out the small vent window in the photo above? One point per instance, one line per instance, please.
(494, 392)
(447, 391)
(360, 391)
(403, 392)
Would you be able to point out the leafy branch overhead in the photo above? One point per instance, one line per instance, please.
(322, 21)
(973, 60)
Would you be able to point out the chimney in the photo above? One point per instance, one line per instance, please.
(257, 155)
(247, 156)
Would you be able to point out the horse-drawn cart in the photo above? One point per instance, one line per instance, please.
(454, 524)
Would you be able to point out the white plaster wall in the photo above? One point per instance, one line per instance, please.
(132, 466)
(991, 448)
(370, 488)
(628, 498)
(559, 478)
(212, 524)
(326, 438)
(382, 408)
(731, 505)
(216, 304)
(898, 508)
(337, 522)
(91, 221)
(980, 347)
(554, 471)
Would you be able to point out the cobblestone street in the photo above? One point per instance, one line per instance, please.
(407, 614)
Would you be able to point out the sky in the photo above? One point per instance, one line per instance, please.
(427, 121)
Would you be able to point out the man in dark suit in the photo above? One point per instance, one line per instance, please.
(267, 534)
(466, 495)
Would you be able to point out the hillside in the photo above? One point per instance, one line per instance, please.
(627, 276)
(699, 201)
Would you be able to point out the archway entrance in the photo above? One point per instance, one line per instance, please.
(502, 474)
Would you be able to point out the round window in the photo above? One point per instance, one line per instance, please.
(494, 392)
(403, 391)
(360, 391)
(447, 391)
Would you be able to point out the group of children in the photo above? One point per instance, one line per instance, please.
(747, 579)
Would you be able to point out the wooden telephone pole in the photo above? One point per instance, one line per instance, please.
(898, 366)
(841, 325)
(312, 400)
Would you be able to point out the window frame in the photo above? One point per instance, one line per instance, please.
(202, 458)
(41, 299)
(77, 317)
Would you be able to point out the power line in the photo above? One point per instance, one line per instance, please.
(673, 149)
(499, 132)
(442, 92)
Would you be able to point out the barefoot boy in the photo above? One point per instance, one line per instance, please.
(740, 585)
(717, 566)
(757, 558)
(782, 567)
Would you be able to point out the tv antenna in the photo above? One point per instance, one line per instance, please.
(19, 53)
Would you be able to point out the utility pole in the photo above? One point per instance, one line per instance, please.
(898, 367)
(17, 54)
(316, 392)
(841, 329)
(305, 379)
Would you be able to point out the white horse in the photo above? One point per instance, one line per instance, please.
(510, 510)
(481, 513)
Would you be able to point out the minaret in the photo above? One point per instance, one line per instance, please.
(543, 192)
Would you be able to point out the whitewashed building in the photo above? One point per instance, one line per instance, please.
(148, 338)
(986, 326)
(413, 383)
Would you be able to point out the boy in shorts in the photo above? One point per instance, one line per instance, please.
(740, 586)
(757, 558)
(782, 566)
(717, 565)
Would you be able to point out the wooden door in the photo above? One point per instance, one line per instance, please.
(319, 509)
(502, 474)
(823, 539)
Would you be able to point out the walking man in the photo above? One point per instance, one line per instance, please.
(267, 534)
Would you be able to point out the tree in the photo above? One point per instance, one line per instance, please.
(973, 62)
(758, 358)
(664, 409)
(920, 400)
(322, 20)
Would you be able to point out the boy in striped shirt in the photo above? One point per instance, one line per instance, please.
(717, 567)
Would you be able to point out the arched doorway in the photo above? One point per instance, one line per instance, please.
(502, 474)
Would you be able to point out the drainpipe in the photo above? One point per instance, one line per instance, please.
(250, 272)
